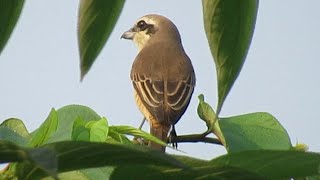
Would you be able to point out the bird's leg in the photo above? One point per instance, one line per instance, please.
(142, 123)
(172, 136)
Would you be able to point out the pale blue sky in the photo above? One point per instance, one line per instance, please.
(40, 68)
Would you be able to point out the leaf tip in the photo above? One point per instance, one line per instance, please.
(201, 97)
(82, 74)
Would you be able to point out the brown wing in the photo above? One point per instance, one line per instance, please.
(178, 95)
(164, 85)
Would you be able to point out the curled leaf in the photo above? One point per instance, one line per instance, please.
(206, 112)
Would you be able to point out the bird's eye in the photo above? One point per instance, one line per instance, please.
(142, 25)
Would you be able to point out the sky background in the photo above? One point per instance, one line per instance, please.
(39, 68)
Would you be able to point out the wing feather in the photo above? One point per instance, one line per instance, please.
(166, 101)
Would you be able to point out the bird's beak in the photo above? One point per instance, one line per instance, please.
(128, 34)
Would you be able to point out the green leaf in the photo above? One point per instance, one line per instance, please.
(78, 175)
(254, 131)
(137, 132)
(274, 164)
(66, 117)
(199, 169)
(10, 152)
(95, 24)
(207, 172)
(98, 173)
(79, 131)
(46, 129)
(115, 136)
(190, 161)
(143, 163)
(43, 158)
(98, 130)
(310, 178)
(72, 155)
(229, 27)
(9, 15)
(93, 131)
(14, 130)
(86, 174)
(206, 112)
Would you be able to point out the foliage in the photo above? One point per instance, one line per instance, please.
(229, 27)
(93, 146)
(96, 21)
(76, 142)
(9, 14)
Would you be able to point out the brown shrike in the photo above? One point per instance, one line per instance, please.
(162, 74)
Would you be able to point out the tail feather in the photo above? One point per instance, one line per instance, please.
(161, 132)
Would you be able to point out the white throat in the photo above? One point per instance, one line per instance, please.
(140, 40)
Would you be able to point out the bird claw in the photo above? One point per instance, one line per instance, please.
(172, 136)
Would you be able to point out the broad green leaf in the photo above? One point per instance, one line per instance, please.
(66, 117)
(309, 178)
(70, 175)
(85, 174)
(10, 152)
(133, 162)
(254, 131)
(43, 158)
(82, 133)
(136, 132)
(219, 172)
(79, 130)
(14, 130)
(9, 14)
(98, 130)
(274, 164)
(98, 173)
(95, 24)
(229, 27)
(190, 161)
(206, 172)
(93, 131)
(72, 155)
(47, 128)
(142, 163)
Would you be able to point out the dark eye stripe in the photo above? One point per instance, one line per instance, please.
(142, 25)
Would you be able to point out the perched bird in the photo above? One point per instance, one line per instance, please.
(162, 74)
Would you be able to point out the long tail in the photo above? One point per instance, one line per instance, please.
(161, 132)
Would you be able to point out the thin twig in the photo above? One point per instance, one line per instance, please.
(194, 138)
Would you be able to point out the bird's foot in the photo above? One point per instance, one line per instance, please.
(172, 136)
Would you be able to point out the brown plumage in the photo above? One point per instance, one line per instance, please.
(162, 74)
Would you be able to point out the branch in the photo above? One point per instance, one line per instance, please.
(193, 138)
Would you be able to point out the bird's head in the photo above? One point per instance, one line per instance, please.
(152, 28)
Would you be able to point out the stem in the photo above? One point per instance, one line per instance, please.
(193, 138)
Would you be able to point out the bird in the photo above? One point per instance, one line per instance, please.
(162, 74)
